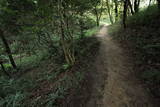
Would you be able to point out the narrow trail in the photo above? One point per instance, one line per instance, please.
(114, 83)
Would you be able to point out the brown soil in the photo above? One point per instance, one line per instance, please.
(111, 80)
(122, 88)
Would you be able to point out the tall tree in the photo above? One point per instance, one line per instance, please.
(116, 10)
(11, 13)
(150, 2)
(109, 11)
(136, 5)
(98, 9)
(131, 8)
(125, 8)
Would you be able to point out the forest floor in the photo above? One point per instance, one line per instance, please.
(112, 81)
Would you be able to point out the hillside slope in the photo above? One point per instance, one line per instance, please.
(141, 39)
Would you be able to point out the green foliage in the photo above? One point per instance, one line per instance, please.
(142, 37)
(66, 66)
(31, 61)
(12, 92)
(79, 77)
(15, 92)
(84, 45)
(145, 17)
(152, 75)
(39, 33)
(89, 23)
(91, 32)
(3, 58)
(12, 100)
(25, 61)
(105, 20)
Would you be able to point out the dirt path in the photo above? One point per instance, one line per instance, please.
(114, 83)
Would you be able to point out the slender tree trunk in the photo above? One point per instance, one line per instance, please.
(8, 50)
(66, 36)
(97, 17)
(150, 2)
(130, 5)
(4, 71)
(125, 12)
(64, 44)
(116, 10)
(136, 5)
(98, 14)
(109, 12)
(81, 25)
(97, 20)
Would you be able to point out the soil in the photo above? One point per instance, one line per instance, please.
(111, 80)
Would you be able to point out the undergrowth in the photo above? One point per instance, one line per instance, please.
(47, 83)
(142, 38)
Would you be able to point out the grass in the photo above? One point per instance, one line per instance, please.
(32, 60)
(91, 32)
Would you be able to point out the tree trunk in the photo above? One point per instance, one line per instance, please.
(136, 5)
(116, 10)
(81, 25)
(158, 3)
(4, 71)
(130, 5)
(125, 12)
(8, 50)
(98, 14)
(66, 38)
(150, 2)
(109, 12)
(97, 18)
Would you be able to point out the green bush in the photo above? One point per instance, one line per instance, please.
(144, 17)
(89, 23)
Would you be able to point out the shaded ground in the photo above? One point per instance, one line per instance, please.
(122, 88)
(110, 80)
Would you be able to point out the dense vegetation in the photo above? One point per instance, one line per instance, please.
(141, 38)
(45, 45)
